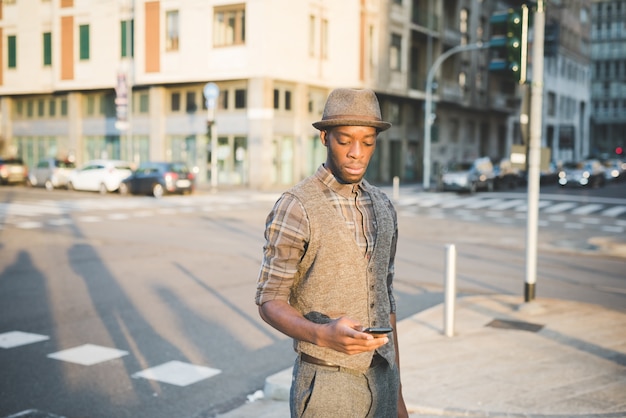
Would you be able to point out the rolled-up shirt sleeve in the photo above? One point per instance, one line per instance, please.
(286, 238)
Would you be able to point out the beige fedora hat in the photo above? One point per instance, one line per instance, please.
(350, 107)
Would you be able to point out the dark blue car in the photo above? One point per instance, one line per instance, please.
(159, 178)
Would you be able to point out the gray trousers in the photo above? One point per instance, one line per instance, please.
(324, 392)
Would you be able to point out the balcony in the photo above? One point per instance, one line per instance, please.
(451, 37)
(426, 20)
(417, 81)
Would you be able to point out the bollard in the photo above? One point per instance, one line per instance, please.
(396, 188)
(450, 290)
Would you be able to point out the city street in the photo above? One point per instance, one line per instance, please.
(128, 306)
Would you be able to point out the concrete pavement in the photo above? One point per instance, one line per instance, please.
(507, 358)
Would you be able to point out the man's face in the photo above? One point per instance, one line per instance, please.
(349, 150)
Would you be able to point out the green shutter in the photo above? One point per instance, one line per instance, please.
(125, 32)
(84, 42)
(47, 49)
(123, 29)
(12, 45)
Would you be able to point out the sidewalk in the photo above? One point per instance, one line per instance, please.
(546, 358)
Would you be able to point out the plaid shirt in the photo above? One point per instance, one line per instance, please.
(287, 234)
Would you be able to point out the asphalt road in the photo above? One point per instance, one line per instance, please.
(165, 289)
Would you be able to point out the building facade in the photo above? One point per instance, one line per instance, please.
(609, 78)
(86, 79)
(567, 80)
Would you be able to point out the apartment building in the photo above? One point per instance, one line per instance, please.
(124, 79)
(567, 80)
(608, 52)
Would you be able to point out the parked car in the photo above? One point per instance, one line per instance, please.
(51, 173)
(469, 176)
(588, 173)
(100, 176)
(159, 178)
(615, 170)
(506, 175)
(13, 171)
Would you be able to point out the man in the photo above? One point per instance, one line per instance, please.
(328, 269)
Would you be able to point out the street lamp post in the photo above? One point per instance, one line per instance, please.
(534, 153)
(211, 92)
(428, 116)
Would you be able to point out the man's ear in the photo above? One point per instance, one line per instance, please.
(323, 137)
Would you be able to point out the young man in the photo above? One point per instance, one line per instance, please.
(328, 269)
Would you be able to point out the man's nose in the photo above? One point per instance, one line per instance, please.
(356, 150)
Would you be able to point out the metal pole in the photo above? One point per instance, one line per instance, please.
(534, 153)
(428, 117)
(450, 290)
(213, 157)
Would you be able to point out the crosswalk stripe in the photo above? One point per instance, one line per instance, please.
(483, 203)
(587, 209)
(614, 211)
(508, 204)
(560, 207)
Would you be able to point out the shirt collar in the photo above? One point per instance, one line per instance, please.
(344, 190)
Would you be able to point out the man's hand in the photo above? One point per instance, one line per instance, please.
(345, 335)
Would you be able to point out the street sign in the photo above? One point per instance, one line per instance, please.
(211, 92)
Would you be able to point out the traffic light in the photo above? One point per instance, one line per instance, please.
(508, 44)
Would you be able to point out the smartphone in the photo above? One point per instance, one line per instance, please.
(378, 330)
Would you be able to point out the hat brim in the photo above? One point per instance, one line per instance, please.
(331, 123)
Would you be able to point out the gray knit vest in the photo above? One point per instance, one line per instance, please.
(334, 278)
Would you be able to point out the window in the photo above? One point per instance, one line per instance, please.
(551, 111)
(41, 108)
(83, 34)
(276, 99)
(312, 35)
(223, 100)
(394, 52)
(91, 105)
(229, 25)
(127, 29)
(191, 104)
(52, 108)
(287, 100)
(144, 102)
(107, 105)
(324, 39)
(47, 49)
(175, 102)
(395, 114)
(12, 50)
(463, 25)
(64, 107)
(171, 36)
(240, 99)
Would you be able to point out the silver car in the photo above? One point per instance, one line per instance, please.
(51, 173)
(588, 173)
(469, 176)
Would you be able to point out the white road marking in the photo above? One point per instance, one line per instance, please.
(177, 373)
(560, 207)
(17, 338)
(587, 209)
(614, 211)
(88, 354)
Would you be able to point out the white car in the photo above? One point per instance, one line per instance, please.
(100, 176)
